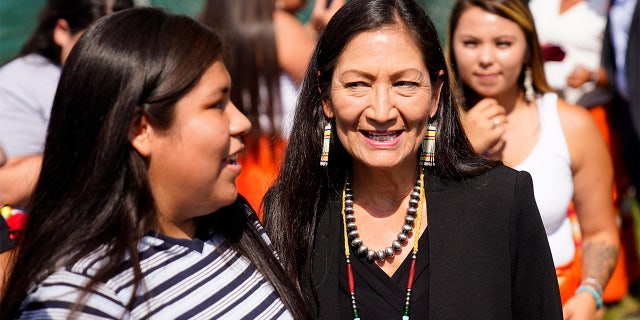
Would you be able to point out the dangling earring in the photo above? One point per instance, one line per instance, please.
(427, 155)
(326, 142)
(529, 93)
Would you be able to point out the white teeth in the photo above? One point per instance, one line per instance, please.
(233, 158)
(382, 136)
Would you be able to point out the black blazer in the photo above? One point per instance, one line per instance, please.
(488, 252)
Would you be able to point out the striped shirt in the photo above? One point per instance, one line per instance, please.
(183, 279)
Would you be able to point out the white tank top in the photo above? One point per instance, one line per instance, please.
(549, 164)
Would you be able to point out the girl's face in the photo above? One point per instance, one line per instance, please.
(490, 52)
(381, 98)
(192, 165)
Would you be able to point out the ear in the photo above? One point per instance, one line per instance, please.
(61, 33)
(140, 134)
(436, 98)
(327, 108)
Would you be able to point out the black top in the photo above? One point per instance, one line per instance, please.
(488, 257)
(379, 296)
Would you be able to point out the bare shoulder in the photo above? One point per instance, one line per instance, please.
(584, 139)
(576, 120)
(282, 19)
(294, 45)
(288, 28)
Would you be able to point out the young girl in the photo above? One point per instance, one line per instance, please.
(136, 214)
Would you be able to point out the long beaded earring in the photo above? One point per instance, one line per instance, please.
(427, 155)
(529, 93)
(326, 142)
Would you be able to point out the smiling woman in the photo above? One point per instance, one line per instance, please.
(512, 115)
(137, 191)
(400, 218)
(381, 104)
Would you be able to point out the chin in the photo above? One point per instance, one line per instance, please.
(222, 201)
(382, 165)
(487, 92)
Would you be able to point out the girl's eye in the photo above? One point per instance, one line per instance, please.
(218, 105)
(503, 44)
(469, 43)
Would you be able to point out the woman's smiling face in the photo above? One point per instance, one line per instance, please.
(381, 98)
(192, 165)
(490, 51)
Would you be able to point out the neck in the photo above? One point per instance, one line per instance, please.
(185, 229)
(512, 100)
(396, 185)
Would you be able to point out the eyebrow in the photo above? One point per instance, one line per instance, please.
(504, 36)
(394, 75)
(221, 91)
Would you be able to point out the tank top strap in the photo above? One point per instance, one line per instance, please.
(550, 126)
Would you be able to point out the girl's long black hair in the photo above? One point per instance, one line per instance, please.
(93, 189)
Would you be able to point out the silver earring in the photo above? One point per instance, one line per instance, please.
(427, 155)
(326, 142)
(529, 93)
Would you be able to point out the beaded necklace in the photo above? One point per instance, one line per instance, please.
(414, 253)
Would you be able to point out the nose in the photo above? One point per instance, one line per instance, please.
(485, 56)
(239, 124)
(383, 107)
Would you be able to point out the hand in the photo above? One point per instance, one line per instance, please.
(580, 307)
(485, 125)
(320, 15)
(579, 76)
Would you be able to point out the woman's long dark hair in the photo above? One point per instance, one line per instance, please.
(302, 188)
(247, 29)
(93, 189)
(79, 14)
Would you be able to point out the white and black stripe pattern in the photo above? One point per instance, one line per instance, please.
(183, 279)
(253, 219)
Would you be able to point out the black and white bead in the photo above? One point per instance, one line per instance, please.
(396, 245)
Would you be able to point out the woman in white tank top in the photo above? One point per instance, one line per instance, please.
(513, 116)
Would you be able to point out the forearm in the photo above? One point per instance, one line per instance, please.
(18, 178)
(599, 256)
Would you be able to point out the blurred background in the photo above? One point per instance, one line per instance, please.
(18, 18)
